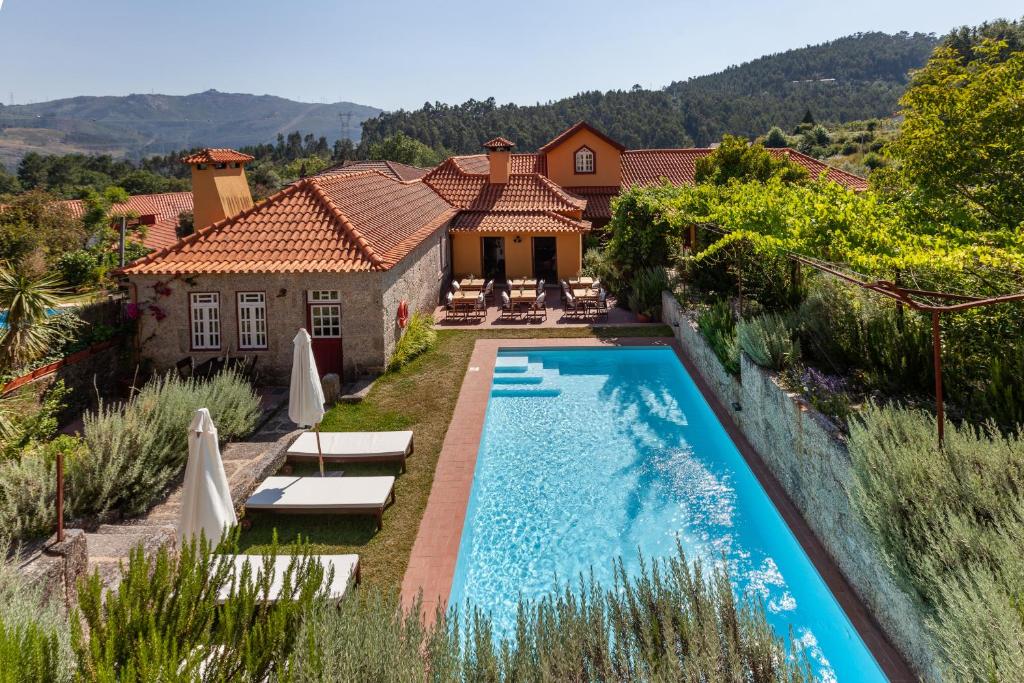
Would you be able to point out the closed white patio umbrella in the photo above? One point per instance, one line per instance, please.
(306, 395)
(206, 497)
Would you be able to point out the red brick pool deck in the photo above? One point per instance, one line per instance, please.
(432, 562)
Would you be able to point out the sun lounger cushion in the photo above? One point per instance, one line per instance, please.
(353, 444)
(321, 493)
(345, 571)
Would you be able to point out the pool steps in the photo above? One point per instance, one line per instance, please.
(525, 392)
(516, 376)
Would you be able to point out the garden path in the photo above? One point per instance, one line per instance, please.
(245, 462)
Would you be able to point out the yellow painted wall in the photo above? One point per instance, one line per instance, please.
(218, 193)
(467, 253)
(570, 255)
(561, 161)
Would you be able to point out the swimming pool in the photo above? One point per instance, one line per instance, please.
(591, 454)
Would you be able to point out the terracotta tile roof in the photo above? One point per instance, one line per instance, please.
(815, 168)
(216, 155)
(498, 143)
(582, 125)
(164, 207)
(521, 163)
(599, 200)
(649, 166)
(396, 170)
(679, 166)
(339, 223)
(522, 192)
(516, 221)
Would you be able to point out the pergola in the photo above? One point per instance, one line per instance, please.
(916, 299)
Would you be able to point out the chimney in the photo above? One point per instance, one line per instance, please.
(219, 187)
(499, 155)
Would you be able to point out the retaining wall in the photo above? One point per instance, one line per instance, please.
(808, 455)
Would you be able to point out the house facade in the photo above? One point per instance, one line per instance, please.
(341, 253)
(336, 254)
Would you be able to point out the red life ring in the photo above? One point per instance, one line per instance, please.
(403, 313)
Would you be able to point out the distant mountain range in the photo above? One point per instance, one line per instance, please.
(856, 77)
(138, 125)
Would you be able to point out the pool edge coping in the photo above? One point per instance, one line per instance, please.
(432, 562)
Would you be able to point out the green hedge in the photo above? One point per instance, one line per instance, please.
(419, 337)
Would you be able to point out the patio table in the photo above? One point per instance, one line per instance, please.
(585, 294)
(462, 297)
(521, 283)
(471, 283)
(582, 282)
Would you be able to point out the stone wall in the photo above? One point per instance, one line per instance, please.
(166, 341)
(418, 279)
(809, 457)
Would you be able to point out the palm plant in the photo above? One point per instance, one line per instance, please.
(27, 301)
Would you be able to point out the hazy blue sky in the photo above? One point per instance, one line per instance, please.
(400, 53)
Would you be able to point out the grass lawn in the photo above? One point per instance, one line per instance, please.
(420, 397)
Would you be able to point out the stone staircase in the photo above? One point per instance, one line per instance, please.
(245, 462)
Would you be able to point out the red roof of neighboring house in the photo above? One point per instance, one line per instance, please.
(337, 223)
(164, 207)
(396, 170)
(679, 166)
(815, 168)
(582, 125)
(516, 221)
(216, 155)
(498, 143)
(522, 192)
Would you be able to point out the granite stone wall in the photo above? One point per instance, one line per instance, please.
(167, 340)
(418, 279)
(808, 455)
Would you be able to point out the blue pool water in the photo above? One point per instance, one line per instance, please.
(3, 316)
(592, 454)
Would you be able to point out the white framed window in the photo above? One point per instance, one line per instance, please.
(252, 320)
(584, 160)
(325, 321)
(205, 317)
(323, 295)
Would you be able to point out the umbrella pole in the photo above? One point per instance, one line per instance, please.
(319, 451)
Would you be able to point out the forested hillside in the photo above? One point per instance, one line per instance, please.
(856, 77)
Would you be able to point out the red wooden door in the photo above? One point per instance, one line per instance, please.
(323, 315)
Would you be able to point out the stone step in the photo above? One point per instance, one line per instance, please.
(138, 527)
(115, 546)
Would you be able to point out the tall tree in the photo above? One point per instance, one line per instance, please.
(960, 153)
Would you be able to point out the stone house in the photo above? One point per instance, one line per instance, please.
(335, 254)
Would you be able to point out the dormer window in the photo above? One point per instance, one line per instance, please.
(220, 166)
(584, 160)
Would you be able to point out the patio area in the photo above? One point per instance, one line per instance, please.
(554, 314)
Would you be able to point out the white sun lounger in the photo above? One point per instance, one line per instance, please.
(337, 495)
(354, 447)
(346, 573)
